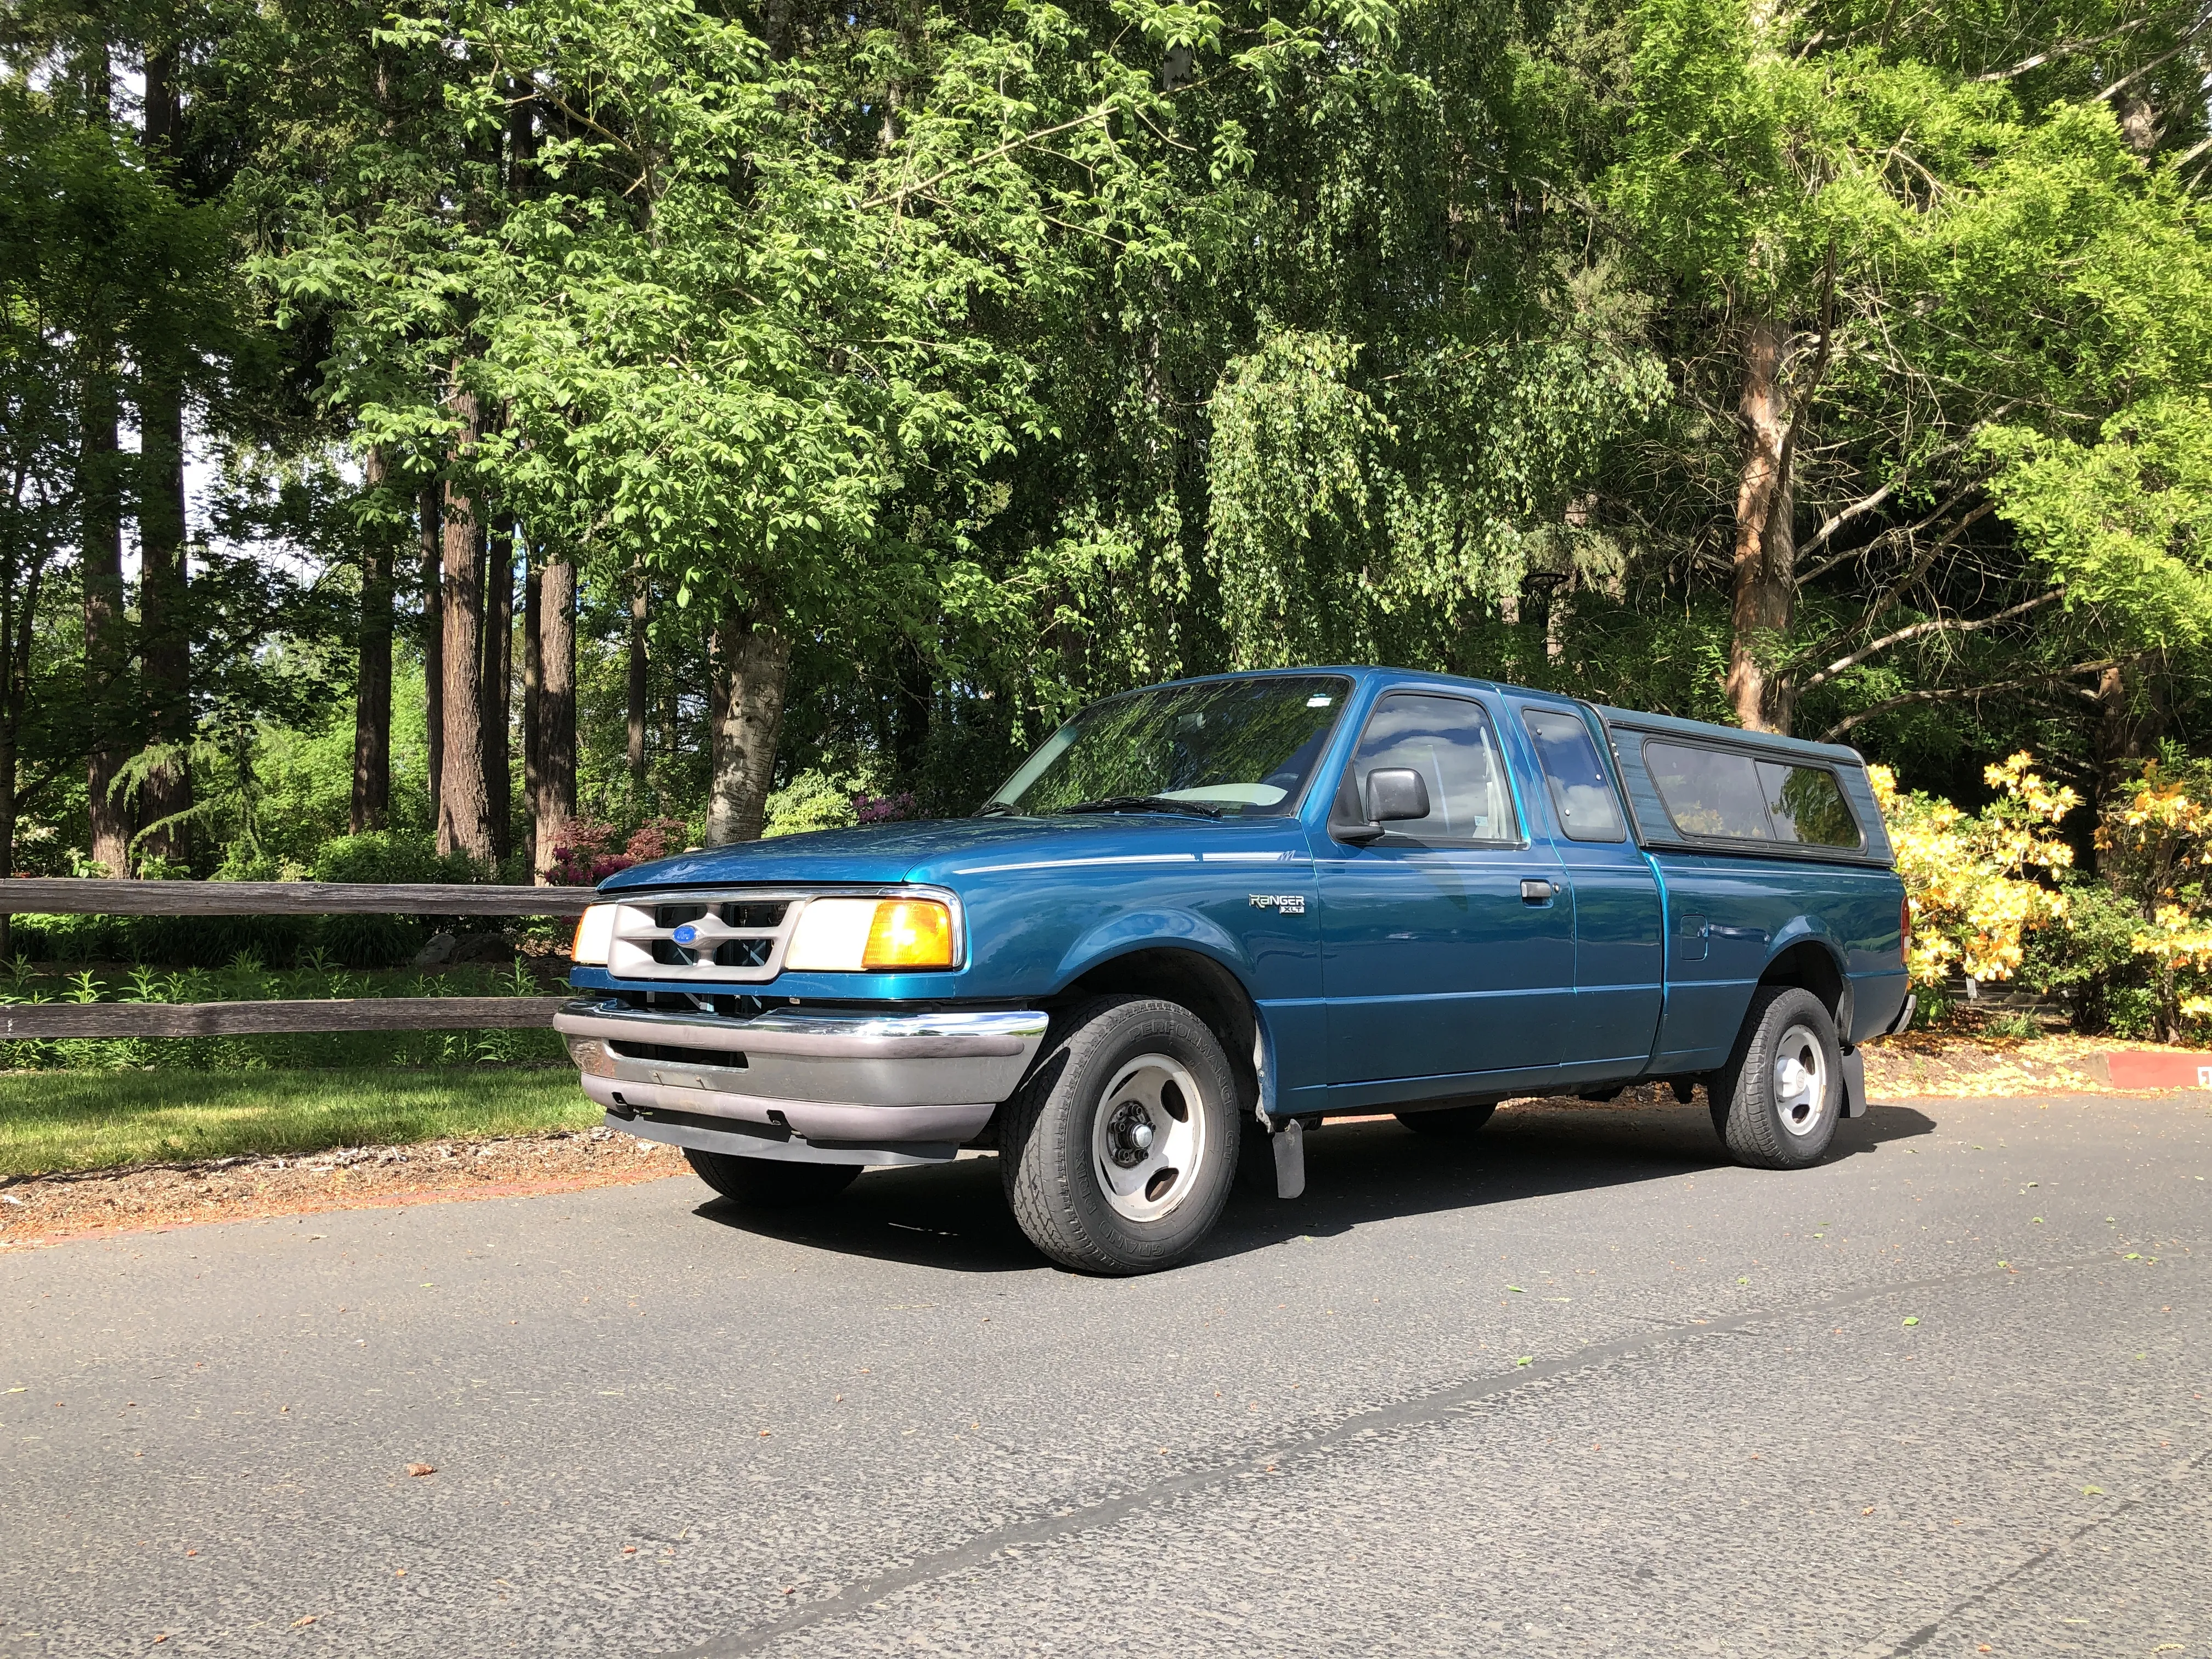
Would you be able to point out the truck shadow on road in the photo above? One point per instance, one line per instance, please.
(953, 1216)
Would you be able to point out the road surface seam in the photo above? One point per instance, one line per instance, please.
(1420, 1409)
(2043, 1557)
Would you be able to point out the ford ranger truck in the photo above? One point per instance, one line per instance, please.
(1206, 916)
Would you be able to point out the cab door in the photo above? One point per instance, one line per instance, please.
(1448, 942)
(1620, 921)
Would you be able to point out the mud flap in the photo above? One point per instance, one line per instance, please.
(1289, 1145)
(1854, 1101)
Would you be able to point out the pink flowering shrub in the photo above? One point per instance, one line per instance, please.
(884, 809)
(587, 853)
(656, 838)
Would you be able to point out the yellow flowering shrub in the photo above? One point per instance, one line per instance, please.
(1967, 875)
(2156, 846)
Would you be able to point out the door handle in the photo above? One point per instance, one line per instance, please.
(1536, 890)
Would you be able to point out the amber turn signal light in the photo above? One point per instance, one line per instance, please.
(908, 933)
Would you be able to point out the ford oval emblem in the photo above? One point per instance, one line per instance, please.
(686, 933)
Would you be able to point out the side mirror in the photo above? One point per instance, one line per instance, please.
(1395, 794)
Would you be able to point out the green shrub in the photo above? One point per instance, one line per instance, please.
(390, 855)
(381, 855)
(2087, 957)
(212, 941)
(813, 801)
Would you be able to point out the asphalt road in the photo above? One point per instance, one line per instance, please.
(1578, 1388)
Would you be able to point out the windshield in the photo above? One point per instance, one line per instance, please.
(1219, 748)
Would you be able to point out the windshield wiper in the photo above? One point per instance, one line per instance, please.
(1146, 803)
(997, 809)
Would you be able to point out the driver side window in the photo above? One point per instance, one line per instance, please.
(1449, 742)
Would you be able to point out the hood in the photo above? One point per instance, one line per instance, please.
(936, 849)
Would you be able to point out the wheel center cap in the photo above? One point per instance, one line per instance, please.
(1129, 1134)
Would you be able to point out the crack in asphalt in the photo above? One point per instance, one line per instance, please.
(1418, 1411)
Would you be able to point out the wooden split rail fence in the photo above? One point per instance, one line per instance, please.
(67, 895)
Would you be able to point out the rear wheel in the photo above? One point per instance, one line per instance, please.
(770, 1183)
(1449, 1123)
(1777, 1101)
(1118, 1153)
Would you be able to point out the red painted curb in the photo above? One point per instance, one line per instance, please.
(2135, 1069)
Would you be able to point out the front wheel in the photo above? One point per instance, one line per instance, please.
(1777, 1101)
(770, 1183)
(1118, 1151)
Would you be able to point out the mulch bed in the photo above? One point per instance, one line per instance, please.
(1974, 1065)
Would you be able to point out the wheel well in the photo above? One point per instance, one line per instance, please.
(1199, 984)
(1809, 964)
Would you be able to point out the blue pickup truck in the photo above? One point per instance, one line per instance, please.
(1206, 916)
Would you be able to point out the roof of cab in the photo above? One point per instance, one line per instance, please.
(1628, 719)
(1370, 672)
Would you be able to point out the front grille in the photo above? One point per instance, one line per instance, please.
(706, 936)
(730, 953)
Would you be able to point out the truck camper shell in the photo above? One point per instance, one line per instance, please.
(1630, 735)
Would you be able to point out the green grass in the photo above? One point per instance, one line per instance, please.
(56, 1121)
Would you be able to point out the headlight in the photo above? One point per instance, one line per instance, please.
(595, 936)
(857, 935)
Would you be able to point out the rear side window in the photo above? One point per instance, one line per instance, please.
(1449, 742)
(1721, 794)
(1581, 792)
(1709, 792)
(1806, 805)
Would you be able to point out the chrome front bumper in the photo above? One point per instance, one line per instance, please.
(820, 1087)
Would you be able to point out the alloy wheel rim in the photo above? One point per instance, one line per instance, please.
(1148, 1138)
(1800, 1081)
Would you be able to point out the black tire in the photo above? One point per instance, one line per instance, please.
(1073, 1126)
(1449, 1123)
(770, 1183)
(1762, 1128)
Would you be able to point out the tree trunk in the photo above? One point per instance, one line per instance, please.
(911, 712)
(556, 707)
(639, 688)
(106, 650)
(434, 645)
(164, 631)
(749, 663)
(1765, 585)
(2131, 719)
(18, 622)
(497, 686)
(533, 713)
(100, 497)
(371, 683)
(464, 810)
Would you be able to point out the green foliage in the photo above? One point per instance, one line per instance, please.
(1347, 526)
(813, 801)
(2125, 522)
(2089, 958)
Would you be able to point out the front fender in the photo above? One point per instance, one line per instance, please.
(1162, 929)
